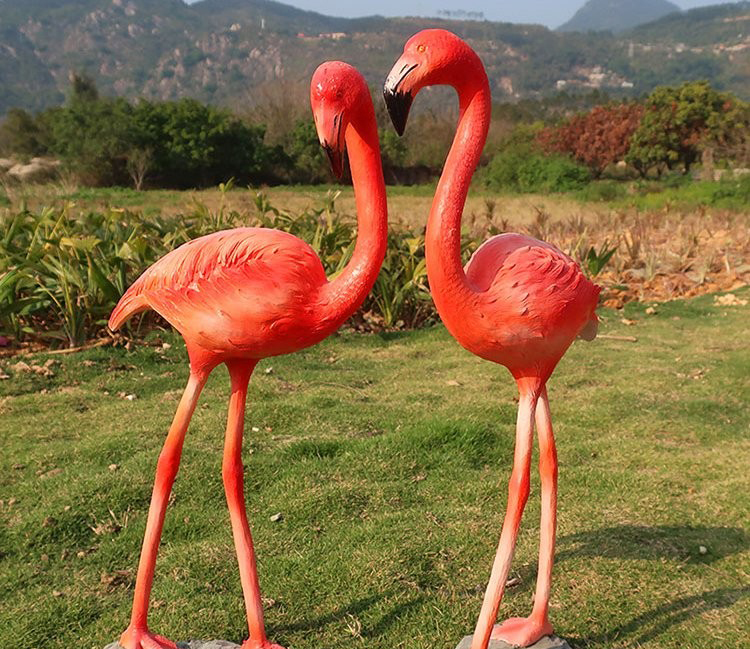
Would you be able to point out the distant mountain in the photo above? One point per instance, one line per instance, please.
(226, 51)
(272, 15)
(725, 24)
(617, 15)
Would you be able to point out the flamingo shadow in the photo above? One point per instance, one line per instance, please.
(651, 624)
(355, 608)
(699, 544)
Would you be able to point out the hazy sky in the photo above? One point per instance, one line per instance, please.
(547, 12)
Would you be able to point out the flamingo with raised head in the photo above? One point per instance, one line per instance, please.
(519, 302)
(241, 295)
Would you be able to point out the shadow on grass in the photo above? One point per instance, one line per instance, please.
(682, 543)
(354, 608)
(389, 336)
(653, 623)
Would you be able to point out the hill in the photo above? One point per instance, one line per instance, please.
(226, 51)
(727, 24)
(617, 15)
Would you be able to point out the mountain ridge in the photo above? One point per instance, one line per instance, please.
(617, 15)
(224, 51)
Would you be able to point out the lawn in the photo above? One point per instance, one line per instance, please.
(388, 458)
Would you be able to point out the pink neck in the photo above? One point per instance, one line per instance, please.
(341, 297)
(448, 284)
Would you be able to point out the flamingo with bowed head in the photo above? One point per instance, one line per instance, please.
(519, 302)
(241, 295)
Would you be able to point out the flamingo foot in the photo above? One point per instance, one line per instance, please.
(522, 631)
(142, 638)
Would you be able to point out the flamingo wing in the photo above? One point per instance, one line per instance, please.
(531, 290)
(234, 287)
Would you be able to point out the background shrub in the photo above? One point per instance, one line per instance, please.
(525, 170)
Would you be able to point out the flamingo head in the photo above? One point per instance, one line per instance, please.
(336, 91)
(431, 57)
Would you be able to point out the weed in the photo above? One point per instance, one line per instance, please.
(595, 260)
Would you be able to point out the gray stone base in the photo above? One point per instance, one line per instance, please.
(547, 642)
(193, 644)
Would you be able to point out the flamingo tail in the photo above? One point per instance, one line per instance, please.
(590, 329)
(131, 303)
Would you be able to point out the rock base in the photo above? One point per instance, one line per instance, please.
(547, 642)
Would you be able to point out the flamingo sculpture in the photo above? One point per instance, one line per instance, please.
(241, 295)
(519, 302)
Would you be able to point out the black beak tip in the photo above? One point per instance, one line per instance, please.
(336, 159)
(398, 104)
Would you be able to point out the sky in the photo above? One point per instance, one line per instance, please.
(546, 12)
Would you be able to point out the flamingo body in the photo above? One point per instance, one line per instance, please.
(519, 302)
(531, 302)
(242, 293)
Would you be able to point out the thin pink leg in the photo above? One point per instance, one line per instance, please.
(137, 635)
(232, 470)
(548, 473)
(526, 631)
(518, 493)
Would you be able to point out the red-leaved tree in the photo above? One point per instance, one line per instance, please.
(596, 139)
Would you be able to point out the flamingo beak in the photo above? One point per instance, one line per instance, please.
(330, 133)
(336, 158)
(398, 99)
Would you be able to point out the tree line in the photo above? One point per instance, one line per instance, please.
(671, 130)
(105, 141)
(555, 144)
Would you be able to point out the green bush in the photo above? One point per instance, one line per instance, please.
(680, 121)
(602, 191)
(521, 166)
(676, 180)
(92, 137)
(193, 144)
(532, 172)
(107, 142)
(732, 192)
(306, 162)
(21, 134)
(61, 273)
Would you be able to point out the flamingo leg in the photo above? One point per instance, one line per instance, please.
(548, 473)
(518, 493)
(137, 636)
(526, 631)
(232, 471)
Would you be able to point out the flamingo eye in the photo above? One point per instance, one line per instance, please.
(421, 48)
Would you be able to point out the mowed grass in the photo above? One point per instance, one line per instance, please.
(388, 458)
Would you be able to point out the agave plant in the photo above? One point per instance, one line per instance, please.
(62, 271)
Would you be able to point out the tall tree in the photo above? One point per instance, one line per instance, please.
(22, 134)
(679, 122)
(83, 87)
(598, 138)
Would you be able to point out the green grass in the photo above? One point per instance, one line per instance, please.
(675, 192)
(392, 483)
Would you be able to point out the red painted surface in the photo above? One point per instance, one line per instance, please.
(240, 295)
(519, 302)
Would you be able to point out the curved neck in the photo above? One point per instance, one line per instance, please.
(448, 283)
(341, 297)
